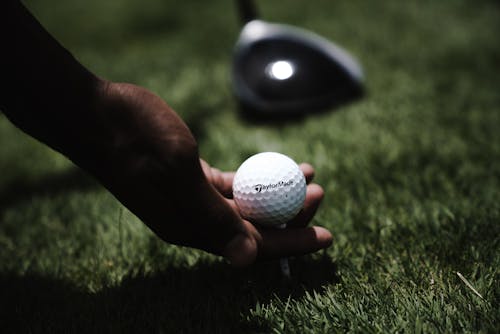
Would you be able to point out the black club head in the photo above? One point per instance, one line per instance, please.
(280, 70)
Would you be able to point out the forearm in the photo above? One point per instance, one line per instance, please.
(42, 86)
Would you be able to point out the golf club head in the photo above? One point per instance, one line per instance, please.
(279, 70)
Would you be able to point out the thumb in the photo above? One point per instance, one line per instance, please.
(224, 231)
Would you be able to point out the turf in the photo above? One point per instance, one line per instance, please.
(411, 174)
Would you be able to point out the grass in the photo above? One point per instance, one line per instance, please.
(411, 174)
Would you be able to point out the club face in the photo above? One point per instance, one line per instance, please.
(282, 70)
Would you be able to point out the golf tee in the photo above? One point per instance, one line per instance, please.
(285, 266)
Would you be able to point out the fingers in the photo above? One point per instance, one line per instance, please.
(269, 243)
(314, 196)
(222, 181)
(308, 171)
(293, 241)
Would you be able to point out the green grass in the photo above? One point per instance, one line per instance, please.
(411, 174)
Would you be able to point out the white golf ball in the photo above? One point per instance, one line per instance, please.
(269, 189)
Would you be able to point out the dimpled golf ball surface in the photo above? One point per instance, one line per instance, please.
(269, 189)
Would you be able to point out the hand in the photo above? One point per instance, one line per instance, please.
(138, 148)
(268, 242)
(136, 145)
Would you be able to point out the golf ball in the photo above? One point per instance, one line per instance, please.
(269, 189)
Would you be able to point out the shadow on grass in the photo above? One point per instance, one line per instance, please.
(20, 190)
(206, 298)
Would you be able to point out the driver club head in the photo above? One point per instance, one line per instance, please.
(280, 70)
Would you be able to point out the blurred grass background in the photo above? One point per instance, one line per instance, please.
(411, 175)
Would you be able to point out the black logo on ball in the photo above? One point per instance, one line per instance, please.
(265, 187)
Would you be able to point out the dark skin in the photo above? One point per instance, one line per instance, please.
(137, 147)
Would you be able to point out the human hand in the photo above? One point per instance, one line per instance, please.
(137, 146)
(268, 242)
(139, 149)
